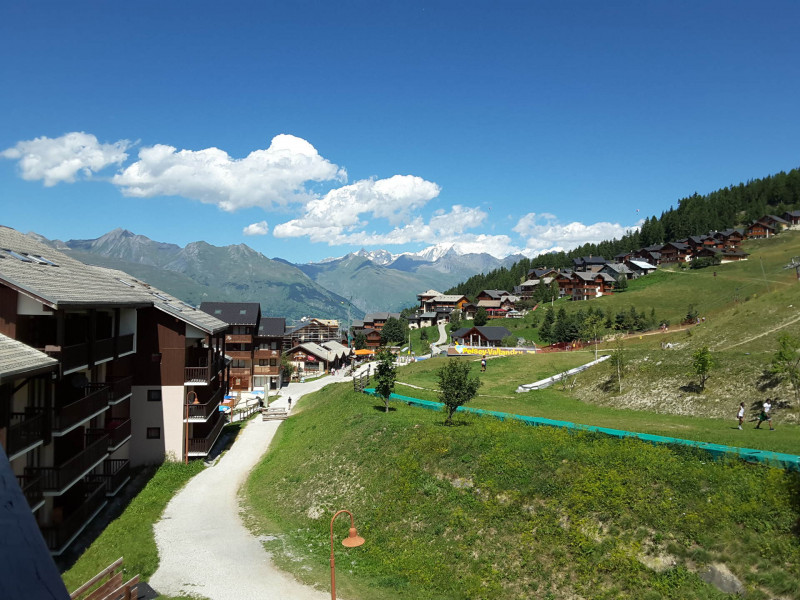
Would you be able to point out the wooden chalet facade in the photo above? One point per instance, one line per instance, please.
(242, 319)
(267, 370)
(480, 336)
(759, 230)
(313, 330)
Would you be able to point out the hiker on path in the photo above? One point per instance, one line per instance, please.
(765, 415)
(483, 363)
(740, 415)
(290, 403)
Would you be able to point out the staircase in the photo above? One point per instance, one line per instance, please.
(274, 413)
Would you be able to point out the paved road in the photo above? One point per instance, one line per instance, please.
(204, 549)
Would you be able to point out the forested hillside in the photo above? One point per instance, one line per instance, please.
(732, 206)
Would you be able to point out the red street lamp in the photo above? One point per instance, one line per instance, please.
(351, 541)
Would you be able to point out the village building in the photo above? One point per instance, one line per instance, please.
(640, 267)
(481, 336)
(617, 270)
(310, 359)
(378, 320)
(312, 330)
(590, 263)
(267, 369)
(243, 319)
(588, 285)
(674, 252)
(758, 230)
(792, 217)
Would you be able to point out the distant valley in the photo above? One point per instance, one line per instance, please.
(338, 288)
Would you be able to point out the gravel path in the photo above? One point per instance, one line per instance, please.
(204, 549)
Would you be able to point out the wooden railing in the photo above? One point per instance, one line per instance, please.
(32, 488)
(115, 472)
(96, 398)
(108, 585)
(118, 431)
(259, 353)
(25, 429)
(57, 478)
(203, 445)
(265, 370)
(120, 387)
(239, 354)
(57, 535)
(203, 374)
(239, 338)
(240, 372)
(205, 410)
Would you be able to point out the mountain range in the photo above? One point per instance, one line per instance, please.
(341, 288)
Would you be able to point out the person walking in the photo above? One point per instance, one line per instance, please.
(483, 363)
(765, 415)
(290, 403)
(740, 415)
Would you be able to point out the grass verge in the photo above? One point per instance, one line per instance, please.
(492, 509)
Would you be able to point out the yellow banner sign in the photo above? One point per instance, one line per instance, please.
(477, 350)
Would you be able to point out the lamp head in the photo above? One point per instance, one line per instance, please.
(353, 539)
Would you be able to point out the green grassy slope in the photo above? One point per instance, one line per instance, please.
(499, 510)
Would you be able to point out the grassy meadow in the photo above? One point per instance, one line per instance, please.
(489, 509)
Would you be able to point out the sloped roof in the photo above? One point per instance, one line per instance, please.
(337, 348)
(233, 313)
(641, 264)
(380, 316)
(489, 303)
(272, 327)
(430, 293)
(491, 333)
(448, 298)
(316, 350)
(620, 268)
(18, 359)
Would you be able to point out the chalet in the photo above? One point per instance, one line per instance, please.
(310, 358)
(674, 252)
(373, 337)
(759, 230)
(492, 295)
(494, 308)
(617, 270)
(425, 297)
(623, 256)
(267, 369)
(590, 263)
(729, 239)
(588, 285)
(78, 406)
(482, 336)
(722, 255)
(243, 320)
(640, 267)
(312, 330)
(446, 301)
(469, 310)
(792, 217)
(378, 320)
(651, 254)
(565, 284)
(540, 273)
(777, 222)
(413, 321)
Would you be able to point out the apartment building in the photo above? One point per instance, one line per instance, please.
(88, 360)
(267, 369)
(243, 319)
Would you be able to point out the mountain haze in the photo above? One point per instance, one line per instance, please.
(203, 272)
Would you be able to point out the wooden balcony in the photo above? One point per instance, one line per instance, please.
(119, 431)
(32, 488)
(240, 372)
(93, 403)
(239, 354)
(265, 370)
(120, 389)
(257, 353)
(26, 431)
(202, 411)
(202, 446)
(203, 375)
(78, 355)
(60, 535)
(116, 473)
(57, 480)
(239, 338)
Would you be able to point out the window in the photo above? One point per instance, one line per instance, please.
(273, 362)
(217, 311)
(263, 362)
(154, 395)
(154, 433)
(243, 311)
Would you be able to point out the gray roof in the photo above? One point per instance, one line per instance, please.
(641, 264)
(18, 359)
(316, 350)
(233, 313)
(617, 267)
(58, 280)
(380, 316)
(272, 327)
(337, 348)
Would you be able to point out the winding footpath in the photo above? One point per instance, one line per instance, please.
(204, 548)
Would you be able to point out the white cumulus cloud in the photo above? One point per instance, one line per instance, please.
(265, 178)
(56, 160)
(259, 228)
(333, 217)
(544, 233)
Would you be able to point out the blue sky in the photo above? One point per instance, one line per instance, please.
(310, 129)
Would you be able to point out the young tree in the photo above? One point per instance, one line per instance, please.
(786, 361)
(618, 360)
(593, 329)
(360, 341)
(455, 320)
(456, 387)
(423, 335)
(385, 376)
(546, 328)
(481, 317)
(287, 367)
(702, 363)
(622, 283)
(393, 332)
(554, 291)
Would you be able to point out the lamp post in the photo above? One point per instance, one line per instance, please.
(351, 541)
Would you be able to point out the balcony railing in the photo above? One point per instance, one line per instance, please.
(202, 446)
(239, 338)
(32, 488)
(77, 355)
(240, 372)
(201, 412)
(120, 388)
(25, 431)
(259, 353)
(60, 534)
(201, 374)
(59, 479)
(116, 471)
(239, 354)
(118, 431)
(96, 399)
(265, 370)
